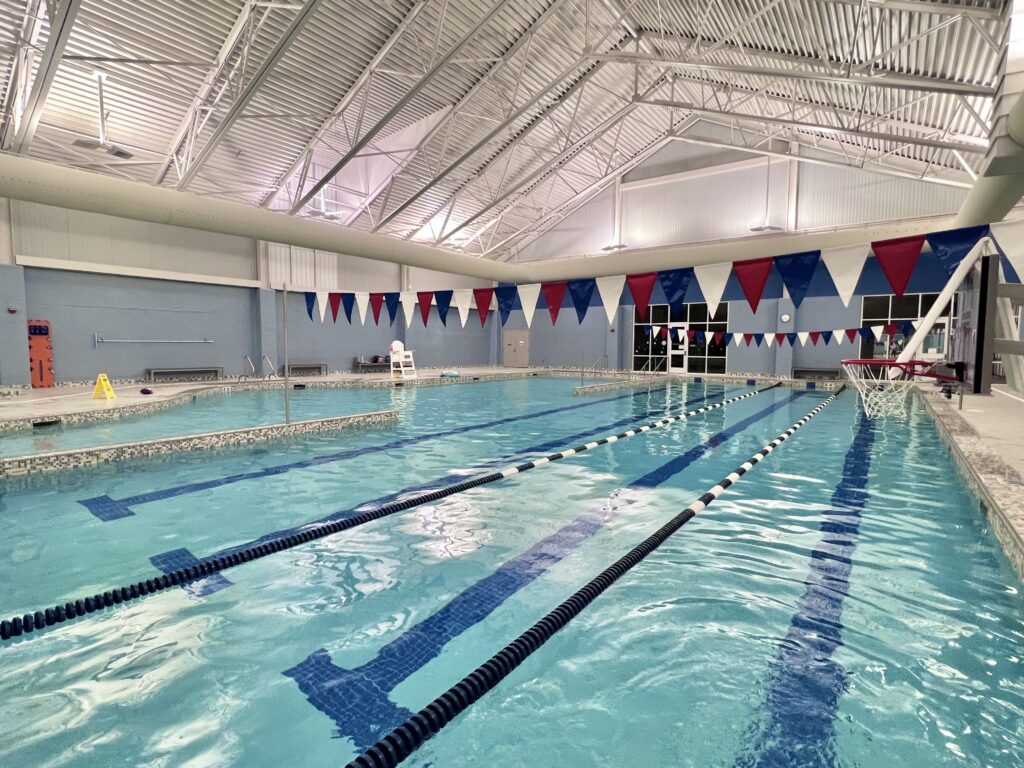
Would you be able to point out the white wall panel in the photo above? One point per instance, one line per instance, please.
(358, 274)
(708, 206)
(303, 273)
(832, 197)
(585, 231)
(326, 271)
(47, 232)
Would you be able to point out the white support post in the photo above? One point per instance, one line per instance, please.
(954, 282)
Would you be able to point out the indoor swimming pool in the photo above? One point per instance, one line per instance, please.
(844, 603)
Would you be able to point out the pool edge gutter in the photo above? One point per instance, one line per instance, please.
(77, 458)
(997, 486)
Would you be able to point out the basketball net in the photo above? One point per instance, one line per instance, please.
(884, 384)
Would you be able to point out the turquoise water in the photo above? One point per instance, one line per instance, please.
(202, 414)
(680, 663)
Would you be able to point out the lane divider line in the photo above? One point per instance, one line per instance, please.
(107, 508)
(401, 742)
(180, 557)
(58, 614)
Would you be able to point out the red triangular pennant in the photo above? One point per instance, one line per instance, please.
(779, 338)
(483, 302)
(425, 299)
(747, 338)
(690, 335)
(897, 258)
(891, 329)
(641, 287)
(719, 335)
(334, 299)
(815, 335)
(753, 275)
(376, 302)
(664, 332)
(851, 333)
(553, 295)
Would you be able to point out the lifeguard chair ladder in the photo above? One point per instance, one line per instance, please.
(402, 362)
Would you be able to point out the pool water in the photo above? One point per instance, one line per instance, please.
(843, 604)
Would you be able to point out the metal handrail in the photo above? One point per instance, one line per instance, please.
(272, 374)
(594, 366)
(252, 370)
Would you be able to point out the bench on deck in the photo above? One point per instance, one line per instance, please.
(210, 372)
(379, 363)
(817, 373)
(306, 369)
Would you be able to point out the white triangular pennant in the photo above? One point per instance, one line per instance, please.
(769, 339)
(362, 302)
(845, 264)
(803, 336)
(916, 323)
(712, 279)
(463, 300)
(655, 330)
(321, 304)
(878, 330)
(408, 299)
(528, 295)
(610, 290)
(737, 339)
(839, 334)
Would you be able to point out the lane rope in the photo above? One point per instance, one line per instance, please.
(395, 747)
(58, 614)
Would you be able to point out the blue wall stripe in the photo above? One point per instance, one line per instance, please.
(177, 558)
(357, 700)
(107, 508)
(804, 682)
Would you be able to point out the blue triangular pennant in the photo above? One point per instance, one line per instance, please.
(348, 300)
(791, 335)
(952, 245)
(581, 291)
(310, 303)
(674, 283)
(727, 339)
(391, 301)
(865, 332)
(700, 337)
(827, 337)
(758, 338)
(907, 328)
(506, 295)
(796, 270)
(443, 299)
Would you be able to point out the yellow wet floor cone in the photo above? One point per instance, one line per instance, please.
(103, 388)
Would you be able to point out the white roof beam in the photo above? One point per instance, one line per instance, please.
(362, 141)
(61, 21)
(294, 29)
(364, 79)
(900, 82)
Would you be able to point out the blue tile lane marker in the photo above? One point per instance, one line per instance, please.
(357, 700)
(170, 561)
(107, 509)
(805, 683)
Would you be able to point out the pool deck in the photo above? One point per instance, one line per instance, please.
(986, 439)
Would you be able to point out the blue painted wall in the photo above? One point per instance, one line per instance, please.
(13, 327)
(79, 305)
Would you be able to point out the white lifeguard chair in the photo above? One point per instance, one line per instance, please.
(402, 362)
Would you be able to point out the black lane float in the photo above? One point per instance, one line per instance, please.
(395, 747)
(58, 614)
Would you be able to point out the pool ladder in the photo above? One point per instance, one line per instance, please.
(252, 369)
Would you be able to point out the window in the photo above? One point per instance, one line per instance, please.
(652, 353)
(882, 310)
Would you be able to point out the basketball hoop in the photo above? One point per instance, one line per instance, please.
(884, 383)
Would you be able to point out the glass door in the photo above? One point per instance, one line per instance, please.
(678, 344)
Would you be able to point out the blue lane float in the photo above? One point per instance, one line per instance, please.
(358, 700)
(217, 564)
(107, 509)
(168, 562)
(405, 739)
